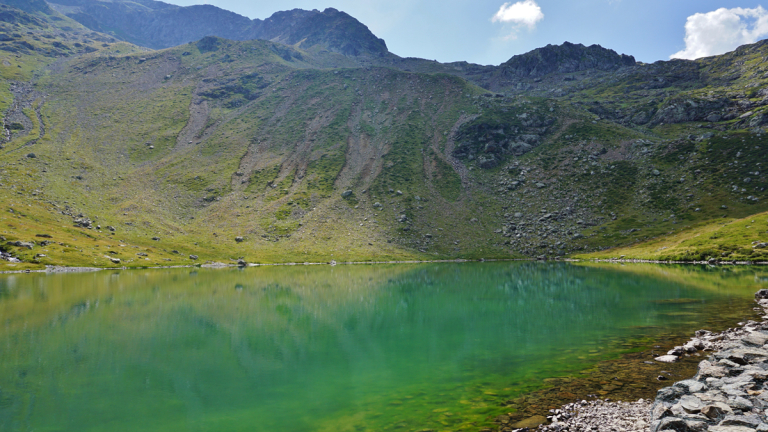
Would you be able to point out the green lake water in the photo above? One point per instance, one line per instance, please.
(320, 348)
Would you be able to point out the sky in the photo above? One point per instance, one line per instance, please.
(492, 31)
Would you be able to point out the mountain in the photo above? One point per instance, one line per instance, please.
(271, 150)
(565, 58)
(159, 25)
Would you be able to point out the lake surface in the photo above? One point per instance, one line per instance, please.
(320, 348)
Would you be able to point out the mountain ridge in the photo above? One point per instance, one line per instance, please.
(220, 149)
(160, 25)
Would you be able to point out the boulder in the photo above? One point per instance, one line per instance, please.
(691, 386)
(668, 394)
(691, 404)
(193, 257)
(750, 421)
(755, 339)
(716, 410)
(22, 244)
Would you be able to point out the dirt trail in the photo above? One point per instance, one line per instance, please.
(450, 145)
(195, 130)
(24, 97)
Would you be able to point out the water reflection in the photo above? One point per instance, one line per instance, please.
(325, 348)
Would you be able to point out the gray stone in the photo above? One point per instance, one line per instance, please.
(740, 420)
(666, 359)
(743, 356)
(762, 427)
(669, 394)
(22, 244)
(193, 257)
(727, 363)
(741, 403)
(660, 411)
(716, 410)
(346, 194)
(691, 386)
(696, 425)
(711, 371)
(239, 239)
(691, 404)
(540, 185)
(656, 172)
(671, 423)
(755, 339)
(730, 429)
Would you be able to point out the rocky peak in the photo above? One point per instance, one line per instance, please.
(565, 58)
(160, 25)
(331, 29)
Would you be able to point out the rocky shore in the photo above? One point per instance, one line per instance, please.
(729, 393)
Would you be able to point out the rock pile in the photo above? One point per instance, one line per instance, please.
(601, 416)
(729, 393)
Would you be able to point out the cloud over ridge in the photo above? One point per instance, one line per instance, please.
(525, 13)
(722, 30)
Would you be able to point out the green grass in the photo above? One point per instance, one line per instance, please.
(725, 239)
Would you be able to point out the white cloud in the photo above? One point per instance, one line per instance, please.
(524, 13)
(723, 30)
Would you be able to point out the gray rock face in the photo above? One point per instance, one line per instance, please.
(565, 58)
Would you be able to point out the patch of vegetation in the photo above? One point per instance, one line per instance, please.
(446, 179)
(323, 172)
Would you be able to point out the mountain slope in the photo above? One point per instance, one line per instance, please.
(221, 149)
(160, 25)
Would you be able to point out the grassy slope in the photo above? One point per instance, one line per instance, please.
(270, 142)
(370, 136)
(727, 239)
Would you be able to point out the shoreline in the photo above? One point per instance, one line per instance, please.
(648, 261)
(726, 394)
(65, 269)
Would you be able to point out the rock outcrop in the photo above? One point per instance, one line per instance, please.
(565, 58)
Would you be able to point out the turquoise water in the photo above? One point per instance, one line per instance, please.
(319, 348)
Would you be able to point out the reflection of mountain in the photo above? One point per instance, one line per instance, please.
(738, 281)
(319, 340)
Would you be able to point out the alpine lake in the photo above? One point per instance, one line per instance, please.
(386, 347)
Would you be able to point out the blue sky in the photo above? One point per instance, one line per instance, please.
(453, 30)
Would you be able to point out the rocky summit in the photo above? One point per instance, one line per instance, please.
(182, 132)
(564, 59)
